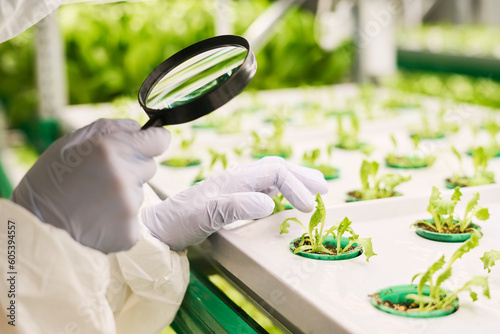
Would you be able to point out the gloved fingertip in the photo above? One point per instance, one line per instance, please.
(309, 205)
(153, 141)
(267, 205)
(323, 187)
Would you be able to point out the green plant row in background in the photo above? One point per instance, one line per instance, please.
(481, 91)
(467, 40)
(110, 49)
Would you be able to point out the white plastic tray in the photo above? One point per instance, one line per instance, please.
(332, 296)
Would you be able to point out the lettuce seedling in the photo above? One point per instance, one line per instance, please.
(436, 129)
(444, 216)
(438, 273)
(315, 234)
(272, 145)
(481, 174)
(492, 148)
(374, 186)
(280, 203)
(348, 138)
(310, 159)
(413, 160)
(185, 156)
(215, 157)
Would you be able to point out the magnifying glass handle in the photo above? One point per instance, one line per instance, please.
(152, 122)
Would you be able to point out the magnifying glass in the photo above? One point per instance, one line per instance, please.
(197, 80)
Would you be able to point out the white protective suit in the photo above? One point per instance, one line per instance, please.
(61, 286)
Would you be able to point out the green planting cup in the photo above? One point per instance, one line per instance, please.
(429, 136)
(407, 162)
(205, 126)
(330, 240)
(284, 155)
(351, 198)
(444, 237)
(179, 163)
(397, 294)
(329, 172)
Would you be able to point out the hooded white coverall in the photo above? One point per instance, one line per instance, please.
(60, 286)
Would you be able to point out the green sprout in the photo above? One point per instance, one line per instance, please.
(348, 139)
(437, 274)
(280, 203)
(429, 131)
(481, 174)
(215, 157)
(444, 218)
(492, 148)
(413, 160)
(313, 239)
(185, 157)
(272, 145)
(374, 186)
(310, 159)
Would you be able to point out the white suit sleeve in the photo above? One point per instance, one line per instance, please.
(18, 15)
(50, 283)
(148, 282)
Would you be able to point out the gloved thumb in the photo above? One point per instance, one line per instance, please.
(225, 209)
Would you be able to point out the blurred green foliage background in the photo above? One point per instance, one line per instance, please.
(111, 48)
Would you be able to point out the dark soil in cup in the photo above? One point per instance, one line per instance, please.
(445, 230)
(328, 246)
(400, 307)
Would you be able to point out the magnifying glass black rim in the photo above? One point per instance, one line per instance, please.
(205, 103)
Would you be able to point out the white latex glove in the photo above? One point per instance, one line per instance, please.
(245, 192)
(89, 182)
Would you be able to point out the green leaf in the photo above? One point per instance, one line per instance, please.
(456, 194)
(343, 226)
(471, 204)
(416, 140)
(480, 281)
(364, 172)
(318, 216)
(473, 295)
(441, 278)
(444, 207)
(285, 225)
(489, 258)
(457, 154)
(420, 298)
(427, 276)
(391, 181)
(482, 213)
(366, 243)
(415, 276)
(302, 248)
(394, 142)
(480, 159)
(471, 243)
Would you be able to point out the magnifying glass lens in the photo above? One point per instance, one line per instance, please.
(195, 77)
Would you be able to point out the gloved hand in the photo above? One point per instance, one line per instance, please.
(191, 216)
(89, 182)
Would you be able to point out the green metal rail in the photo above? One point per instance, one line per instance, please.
(5, 185)
(206, 309)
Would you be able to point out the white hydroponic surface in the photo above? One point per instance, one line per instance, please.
(323, 297)
(332, 296)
